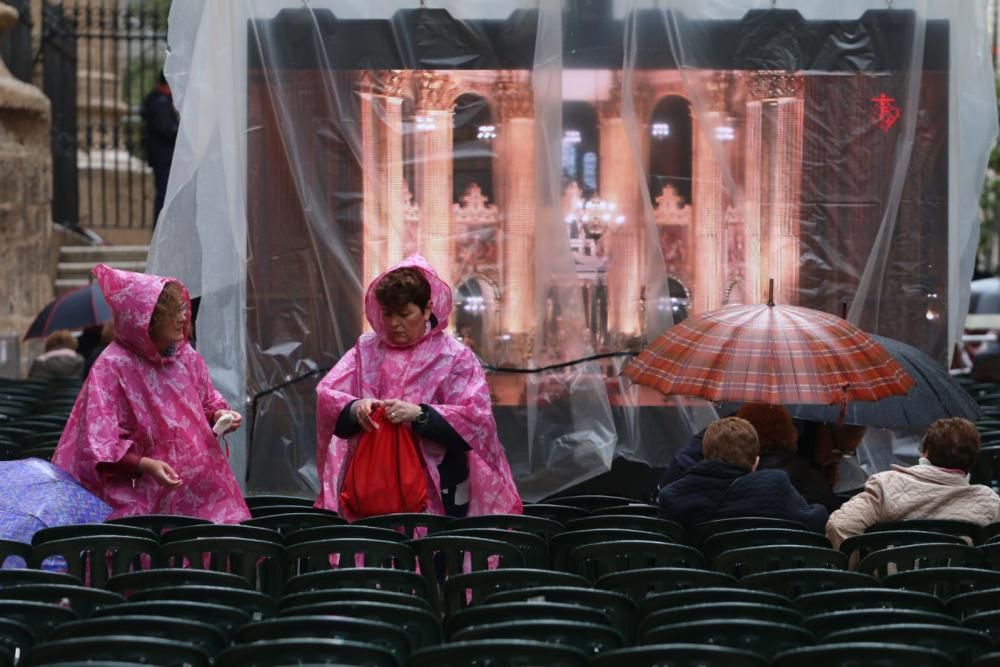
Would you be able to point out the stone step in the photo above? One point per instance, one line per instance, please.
(108, 253)
(64, 285)
(83, 269)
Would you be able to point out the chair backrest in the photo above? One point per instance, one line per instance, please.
(961, 643)
(18, 553)
(920, 556)
(867, 598)
(562, 544)
(447, 556)
(987, 622)
(40, 617)
(713, 594)
(221, 530)
(633, 509)
(762, 637)
(802, 581)
(81, 599)
(158, 523)
(268, 500)
(591, 502)
(129, 582)
(521, 611)
(260, 562)
(823, 625)
(679, 655)
(311, 598)
(755, 560)
(410, 524)
(534, 550)
(716, 543)
(338, 553)
(223, 617)
(365, 631)
(591, 638)
(641, 583)
(68, 531)
(375, 578)
(422, 626)
(14, 636)
(991, 552)
(305, 652)
(858, 546)
(203, 635)
(23, 576)
(258, 604)
(498, 652)
(710, 611)
(560, 513)
(120, 648)
(598, 559)
(471, 588)
(95, 558)
(671, 529)
(339, 532)
(701, 531)
(270, 510)
(862, 654)
(944, 582)
(536, 525)
(974, 602)
(963, 529)
(294, 521)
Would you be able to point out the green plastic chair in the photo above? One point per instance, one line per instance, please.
(294, 521)
(867, 598)
(499, 652)
(95, 558)
(471, 588)
(81, 599)
(671, 529)
(793, 583)
(679, 655)
(39, 617)
(304, 557)
(536, 525)
(988, 533)
(410, 524)
(755, 560)
(858, 546)
(309, 598)
(349, 531)
(205, 636)
(561, 545)
(974, 602)
(602, 558)
(221, 530)
(270, 510)
(987, 622)
(268, 500)
(962, 644)
(24, 576)
(305, 652)
(591, 502)
(122, 648)
(717, 543)
(129, 582)
(157, 523)
(363, 631)
(823, 625)
(944, 582)
(422, 626)
(641, 583)
(619, 608)
(72, 531)
(260, 562)
(534, 551)
(375, 578)
(559, 513)
(987, 660)
(258, 604)
(991, 552)
(711, 595)
(14, 636)
(700, 532)
(964, 529)
(760, 637)
(224, 618)
(862, 654)
(521, 611)
(444, 557)
(717, 611)
(632, 509)
(919, 557)
(591, 638)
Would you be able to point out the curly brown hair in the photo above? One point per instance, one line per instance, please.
(773, 425)
(952, 443)
(732, 440)
(169, 306)
(402, 286)
(61, 340)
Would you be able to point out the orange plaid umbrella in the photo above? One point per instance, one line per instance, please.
(769, 354)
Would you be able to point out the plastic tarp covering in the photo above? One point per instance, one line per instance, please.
(584, 173)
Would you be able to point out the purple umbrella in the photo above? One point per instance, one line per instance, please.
(82, 308)
(35, 494)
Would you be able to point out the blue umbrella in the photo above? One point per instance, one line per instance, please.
(82, 308)
(36, 494)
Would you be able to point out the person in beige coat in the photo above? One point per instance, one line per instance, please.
(936, 488)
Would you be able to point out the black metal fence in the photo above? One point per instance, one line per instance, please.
(99, 59)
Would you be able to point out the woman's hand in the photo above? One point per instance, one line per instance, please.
(362, 409)
(160, 471)
(401, 412)
(237, 419)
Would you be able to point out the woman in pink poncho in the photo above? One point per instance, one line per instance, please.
(140, 435)
(421, 376)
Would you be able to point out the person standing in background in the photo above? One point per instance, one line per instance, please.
(159, 134)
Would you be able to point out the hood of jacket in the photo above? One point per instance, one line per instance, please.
(440, 300)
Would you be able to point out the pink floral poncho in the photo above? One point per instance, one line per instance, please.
(438, 371)
(138, 402)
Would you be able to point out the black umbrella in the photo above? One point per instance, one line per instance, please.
(82, 308)
(935, 395)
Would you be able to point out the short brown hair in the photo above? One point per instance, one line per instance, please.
(952, 443)
(61, 340)
(169, 306)
(402, 286)
(732, 440)
(773, 424)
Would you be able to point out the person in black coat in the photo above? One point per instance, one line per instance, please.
(160, 124)
(727, 484)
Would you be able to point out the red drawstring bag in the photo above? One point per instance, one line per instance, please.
(386, 474)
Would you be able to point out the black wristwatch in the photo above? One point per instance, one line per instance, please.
(421, 419)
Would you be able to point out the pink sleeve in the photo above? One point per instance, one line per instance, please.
(211, 399)
(333, 393)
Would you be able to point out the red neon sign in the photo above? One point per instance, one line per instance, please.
(886, 111)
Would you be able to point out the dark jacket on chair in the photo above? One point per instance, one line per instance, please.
(712, 490)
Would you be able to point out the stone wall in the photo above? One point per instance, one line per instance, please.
(27, 269)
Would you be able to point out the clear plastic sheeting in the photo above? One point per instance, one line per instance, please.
(583, 173)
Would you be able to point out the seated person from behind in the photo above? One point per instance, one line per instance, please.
(60, 359)
(936, 488)
(726, 483)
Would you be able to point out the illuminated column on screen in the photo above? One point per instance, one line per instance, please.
(433, 127)
(515, 176)
(391, 173)
(753, 271)
(785, 223)
(709, 199)
(372, 234)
